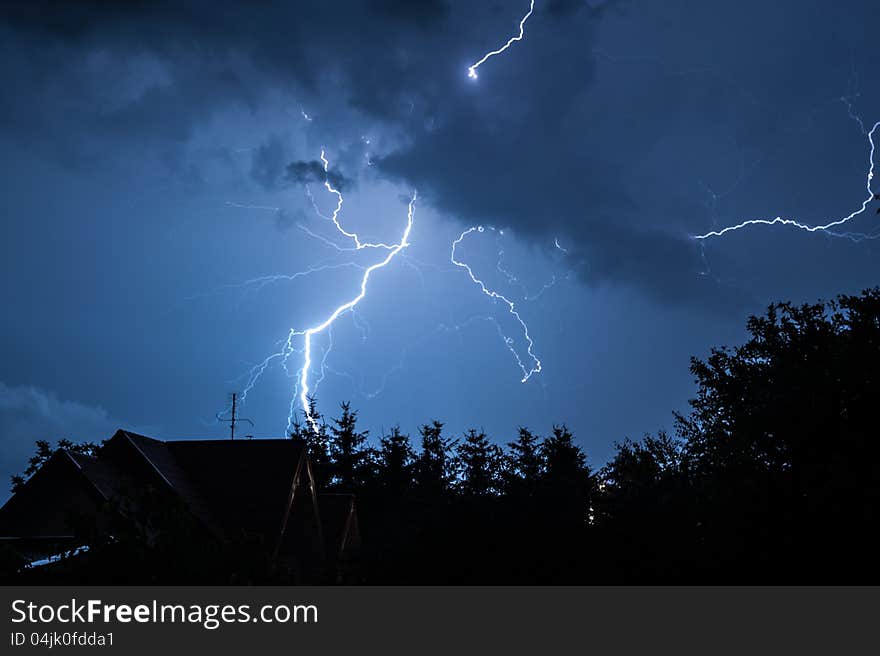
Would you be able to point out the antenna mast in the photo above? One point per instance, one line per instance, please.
(233, 418)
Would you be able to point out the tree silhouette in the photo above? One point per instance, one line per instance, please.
(481, 463)
(642, 506)
(567, 481)
(525, 464)
(45, 451)
(395, 460)
(782, 436)
(640, 468)
(435, 467)
(349, 455)
(565, 462)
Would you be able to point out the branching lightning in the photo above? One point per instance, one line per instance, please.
(303, 385)
(358, 244)
(827, 228)
(324, 325)
(287, 348)
(535, 367)
(262, 281)
(303, 341)
(472, 69)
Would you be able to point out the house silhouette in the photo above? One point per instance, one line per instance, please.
(259, 491)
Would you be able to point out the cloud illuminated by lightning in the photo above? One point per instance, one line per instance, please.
(472, 69)
(287, 348)
(826, 228)
(535, 367)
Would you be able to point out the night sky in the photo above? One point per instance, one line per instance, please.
(157, 155)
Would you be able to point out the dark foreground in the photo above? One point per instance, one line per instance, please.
(772, 477)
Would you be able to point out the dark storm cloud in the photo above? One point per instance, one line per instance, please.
(305, 172)
(559, 8)
(424, 13)
(70, 19)
(504, 151)
(537, 143)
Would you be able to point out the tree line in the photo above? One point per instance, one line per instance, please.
(772, 476)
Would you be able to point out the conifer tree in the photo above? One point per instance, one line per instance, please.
(435, 466)
(480, 464)
(395, 460)
(349, 455)
(525, 464)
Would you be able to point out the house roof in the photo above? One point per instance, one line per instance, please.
(246, 483)
(60, 490)
(233, 487)
(167, 469)
(107, 479)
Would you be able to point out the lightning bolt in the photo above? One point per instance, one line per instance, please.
(287, 348)
(302, 387)
(826, 228)
(472, 69)
(334, 217)
(535, 367)
(263, 281)
(307, 334)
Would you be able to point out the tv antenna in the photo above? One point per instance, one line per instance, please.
(233, 418)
